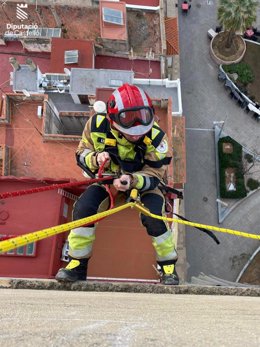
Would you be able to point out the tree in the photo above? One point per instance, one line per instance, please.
(236, 16)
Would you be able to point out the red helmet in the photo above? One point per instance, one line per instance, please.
(130, 111)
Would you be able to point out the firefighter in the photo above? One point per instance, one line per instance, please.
(134, 147)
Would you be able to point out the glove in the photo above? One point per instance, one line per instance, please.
(102, 157)
(123, 183)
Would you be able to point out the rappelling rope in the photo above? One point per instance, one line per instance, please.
(54, 186)
(23, 240)
(198, 225)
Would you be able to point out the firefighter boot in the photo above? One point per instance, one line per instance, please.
(169, 275)
(76, 270)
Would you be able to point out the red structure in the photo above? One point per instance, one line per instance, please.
(24, 214)
(141, 68)
(172, 36)
(113, 20)
(143, 3)
(59, 46)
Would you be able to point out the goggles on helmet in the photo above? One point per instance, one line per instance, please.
(127, 118)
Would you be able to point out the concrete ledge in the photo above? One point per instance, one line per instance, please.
(89, 286)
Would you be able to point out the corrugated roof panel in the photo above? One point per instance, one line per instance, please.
(172, 36)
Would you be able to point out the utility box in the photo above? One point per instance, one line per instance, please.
(211, 33)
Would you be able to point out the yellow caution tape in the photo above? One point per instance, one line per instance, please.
(23, 240)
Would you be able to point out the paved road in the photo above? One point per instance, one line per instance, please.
(204, 101)
(67, 319)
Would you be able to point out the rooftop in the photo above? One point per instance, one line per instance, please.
(172, 36)
(153, 3)
(65, 103)
(86, 81)
(58, 48)
(32, 155)
(15, 49)
(141, 68)
(25, 79)
(143, 27)
(113, 20)
(163, 90)
(29, 155)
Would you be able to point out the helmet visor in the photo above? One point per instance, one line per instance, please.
(135, 116)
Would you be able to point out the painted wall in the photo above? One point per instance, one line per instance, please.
(26, 214)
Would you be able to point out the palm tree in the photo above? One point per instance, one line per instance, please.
(236, 15)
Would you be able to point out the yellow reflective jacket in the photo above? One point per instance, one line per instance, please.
(148, 158)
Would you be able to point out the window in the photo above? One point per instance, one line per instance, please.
(113, 16)
(44, 32)
(24, 251)
(71, 57)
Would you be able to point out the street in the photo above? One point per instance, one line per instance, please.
(205, 100)
(66, 319)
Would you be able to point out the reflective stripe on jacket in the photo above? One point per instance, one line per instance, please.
(145, 159)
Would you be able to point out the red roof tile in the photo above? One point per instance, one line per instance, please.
(172, 36)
